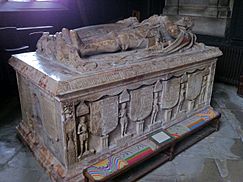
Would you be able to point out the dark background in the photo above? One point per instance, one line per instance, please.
(79, 13)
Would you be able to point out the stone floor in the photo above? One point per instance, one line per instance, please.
(217, 158)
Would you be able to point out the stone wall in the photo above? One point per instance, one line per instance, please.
(211, 17)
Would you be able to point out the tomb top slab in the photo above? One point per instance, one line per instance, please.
(59, 79)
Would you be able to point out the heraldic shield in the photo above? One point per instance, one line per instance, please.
(104, 116)
(170, 94)
(141, 103)
(194, 83)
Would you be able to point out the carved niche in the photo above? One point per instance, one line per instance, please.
(134, 110)
(83, 131)
(47, 106)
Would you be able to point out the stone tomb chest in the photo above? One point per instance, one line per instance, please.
(90, 92)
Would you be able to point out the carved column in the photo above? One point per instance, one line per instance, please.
(104, 142)
(69, 132)
(140, 127)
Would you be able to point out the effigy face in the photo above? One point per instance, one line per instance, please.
(88, 93)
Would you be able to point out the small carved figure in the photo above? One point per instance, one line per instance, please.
(83, 136)
(71, 148)
(155, 108)
(182, 98)
(123, 120)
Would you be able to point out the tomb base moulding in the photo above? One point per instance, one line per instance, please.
(83, 99)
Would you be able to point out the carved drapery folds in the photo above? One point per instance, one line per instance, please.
(113, 120)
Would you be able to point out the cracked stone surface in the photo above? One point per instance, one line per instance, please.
(217, 158)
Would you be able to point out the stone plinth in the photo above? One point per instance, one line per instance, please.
(76, 116)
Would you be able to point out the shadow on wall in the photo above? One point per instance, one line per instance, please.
(21, 28)
(102, 11)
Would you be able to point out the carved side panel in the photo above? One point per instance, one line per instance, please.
(120, 117)
(48, 117)
(25, 98)
(37, 112)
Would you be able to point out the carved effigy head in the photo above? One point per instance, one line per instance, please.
(170, 26)
(185, 22)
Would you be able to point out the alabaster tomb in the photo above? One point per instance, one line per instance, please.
(90, 92)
